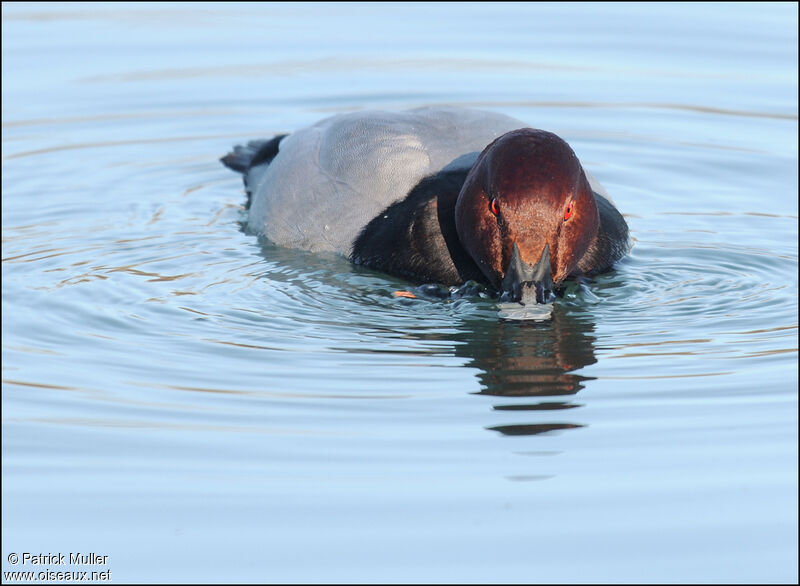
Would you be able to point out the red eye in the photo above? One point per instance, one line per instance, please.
(569, 210)
(493, 207)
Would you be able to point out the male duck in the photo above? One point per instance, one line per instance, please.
(420, 195)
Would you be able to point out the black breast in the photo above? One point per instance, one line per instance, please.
(415, 238)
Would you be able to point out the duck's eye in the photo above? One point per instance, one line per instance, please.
(493, 207)
(568, 212)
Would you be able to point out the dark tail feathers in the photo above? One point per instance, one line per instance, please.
(255, 152)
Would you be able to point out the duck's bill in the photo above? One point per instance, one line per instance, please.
(528, 284)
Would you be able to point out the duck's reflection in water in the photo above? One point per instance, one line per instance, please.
(529, 365)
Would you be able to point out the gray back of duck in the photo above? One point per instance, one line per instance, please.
(328, 181)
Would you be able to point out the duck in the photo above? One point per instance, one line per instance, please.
(442, 195)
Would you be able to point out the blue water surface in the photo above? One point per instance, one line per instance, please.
(202, 406)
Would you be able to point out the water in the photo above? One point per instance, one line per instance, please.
(201, 406)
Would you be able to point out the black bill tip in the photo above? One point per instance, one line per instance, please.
(526, 283)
